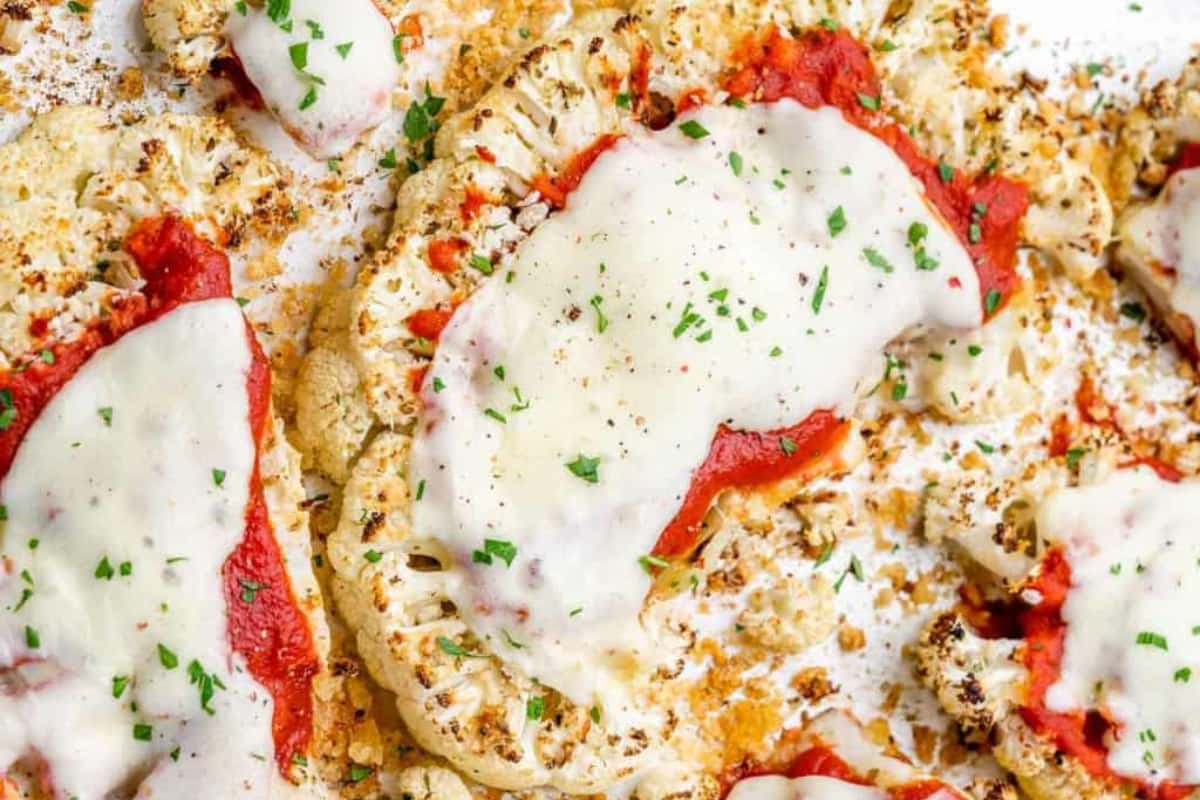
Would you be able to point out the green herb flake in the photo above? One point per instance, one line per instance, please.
(106, 414)
(876, 259)
(1074, 455)
(945, 171)
(298, 52)
(624, 100)
(819, 294)
(868, 102)
(360, 772)
(601, 319)
(119, 684)
(534, 707)
(104, 570)
(33, 639)
(735, 162)
(1133, 311)
(142, 732)
(836, 221)
(167, 658)
(991, 301)
(787, 445)
(693, 129)
(651, 563)
(343, 49)
(453, 648)
(584, 468)
(1151, 639)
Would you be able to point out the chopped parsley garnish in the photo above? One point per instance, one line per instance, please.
(534, 707)
(974, 233)
(886, 46)
(104, 570)
(33, 639)
(167, 658)
(125, 569)
(241, 7)
(775, 352)
(502, 549)
(453, 648)
(829, 24)
(594, 713)
(206, 683)
(757, 314)
(601, 320)
(923, 261)
(77, 8)
(142, 732)
(250, 589)
(819, 293)
(106, 414)
(991, 301)
(119, 684)
(787, 445)
(1183, 675)
(584, 468)
(826, 554)
(359, 773)
(389, 159)
(419, 120)
(47, 356)
(693, 129)
(482, 263)
(868, 102)
(496, 415)
(651, 563)
(735, 162)
(899, 391)
(398, 48)
(314, 29)
(1133, 311)
(836, 221)
(218, 477)
(917, 232)
(298, 52)
(8, 411)
(624, 100)
(309, 99)
(945, 171)
(1074, 455)
(876, 259)
(973, 350)
(984, 447)
(510, 641)
(373, 556)
(1152, 639)
(343, 49)
(438, 384)
(420, 489)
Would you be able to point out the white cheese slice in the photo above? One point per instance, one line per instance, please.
(1167, 230)
(344, 87)
(136, 490)
(1133, 543)
(660, 228)
(814, 787)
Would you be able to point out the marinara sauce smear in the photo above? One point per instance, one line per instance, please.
(272, 633)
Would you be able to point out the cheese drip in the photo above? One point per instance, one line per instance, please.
(747, 277)
(118, 529)
(1168, 230)
(1132, 615)
(326, 71)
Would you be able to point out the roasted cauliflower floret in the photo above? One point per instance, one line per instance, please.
(992, 519)
(16, 18)
(790, 615)
(190, 32)
(332, 416)
(991, 372)
(427, 783)
(73, 183)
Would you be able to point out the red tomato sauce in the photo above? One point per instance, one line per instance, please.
(271, 633)
(1189, 158)
(428, 323)
(749, 458)
(555, 190)
(831, 68)
(473, 203)
(444, 255)
(1080, 733)
(823, 761)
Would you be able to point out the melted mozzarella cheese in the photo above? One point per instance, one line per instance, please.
(670, 296)
(344, 87)
(815, 787)
(118, 530)
(1133, 543)
(1168, 231)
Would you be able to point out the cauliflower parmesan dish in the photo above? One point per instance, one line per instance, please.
(623, 399)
